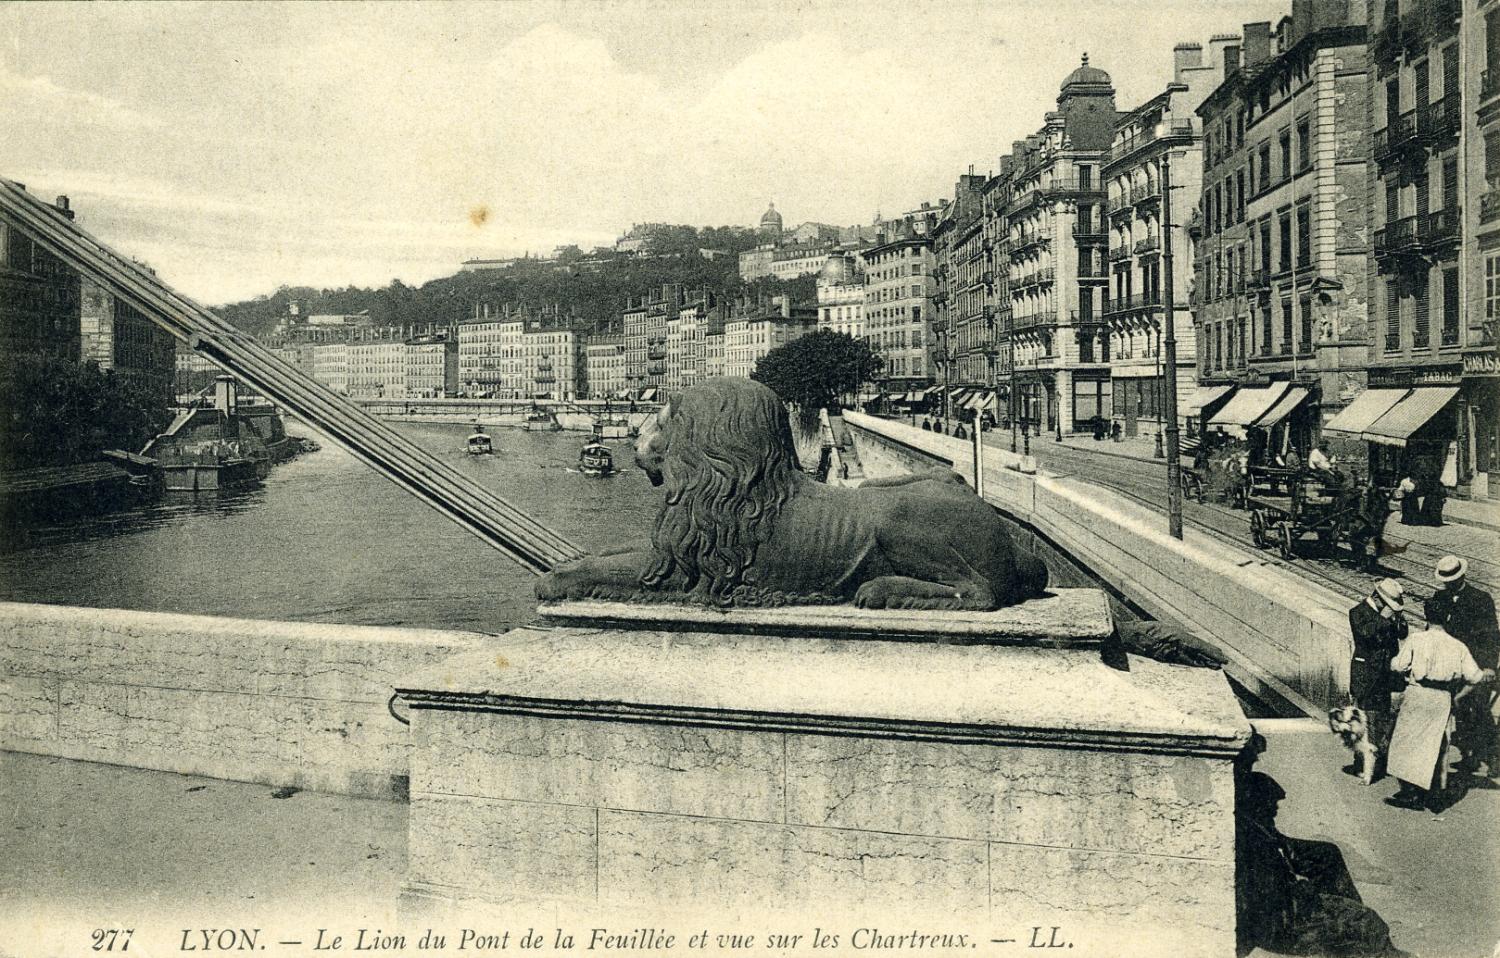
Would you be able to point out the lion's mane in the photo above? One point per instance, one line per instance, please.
(729, 462)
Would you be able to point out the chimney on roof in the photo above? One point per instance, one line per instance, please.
(64, 207)
(1185, 56)
(1257, 43)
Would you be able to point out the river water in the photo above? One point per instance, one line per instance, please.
(326, 539)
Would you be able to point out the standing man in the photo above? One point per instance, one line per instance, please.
(1468, 614)
(1439, 671)
(1378, 627)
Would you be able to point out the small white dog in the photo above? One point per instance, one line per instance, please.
(1352, 726)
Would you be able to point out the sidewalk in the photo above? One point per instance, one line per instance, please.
(1480, 514)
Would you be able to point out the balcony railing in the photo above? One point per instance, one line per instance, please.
(1396, 236)
(1148, 245)
(1123, 149)
(1440, 227)
(656, 352)
(1385, 47)
(1118, 253)
(1089, 233)
(1072, 186)
(1437, 121)
(1119, 207)
(1398, 132)
(1145, 194)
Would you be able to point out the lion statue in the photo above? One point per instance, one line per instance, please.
(743, 525)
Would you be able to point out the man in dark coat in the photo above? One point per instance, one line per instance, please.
(1468, 614)
(1378, 626)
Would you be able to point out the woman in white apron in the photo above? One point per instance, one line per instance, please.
(1438, 668)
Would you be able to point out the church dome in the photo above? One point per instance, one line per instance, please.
(770, 219)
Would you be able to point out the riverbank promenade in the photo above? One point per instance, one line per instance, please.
(102, 844)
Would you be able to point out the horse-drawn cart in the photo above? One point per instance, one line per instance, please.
(1285, 506)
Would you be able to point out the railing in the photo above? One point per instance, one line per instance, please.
(1146, 137)
(1118, 253)
(1147, 245)
(1088, 233)
(1440, 226)
(1398, 132)
(1436, 121)
(1031, 241)
(1070, 185)
(1120, 206)
(1396, 236)
(656, 352)
(1145, 194)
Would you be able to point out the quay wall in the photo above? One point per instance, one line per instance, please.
(1286, 637)
(572, 416)
(279, 703)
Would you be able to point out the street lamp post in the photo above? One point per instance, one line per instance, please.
(1169, 381)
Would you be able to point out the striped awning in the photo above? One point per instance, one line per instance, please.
(1410, 414)
(1193, 403)
(1248, 405)
(1367, 407)
(1294, 397)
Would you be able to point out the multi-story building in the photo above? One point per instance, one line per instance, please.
(1478, 425)
(1431, 373)
(489, 353)
(800, 259)
(756, 263)
(377, 370)
(713, 351)
(330, 365)
(1164, 132)
(115, 335)
(645, 326)
(633, 324)
(604, 366)
(995, 202)
(550, 366)
(755, 327)
(961, 279)
(432, 366)
(1057, 282)
(1283, 256)
(685, 340)
(898, 306)
(39, 298)
(841, 295)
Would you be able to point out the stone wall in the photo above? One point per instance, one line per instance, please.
(1287, 637)
(281, 703)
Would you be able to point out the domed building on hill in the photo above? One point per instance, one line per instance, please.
(770, 224)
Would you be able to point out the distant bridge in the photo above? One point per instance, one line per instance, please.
(478, 510)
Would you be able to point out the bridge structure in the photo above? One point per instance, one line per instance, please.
(476, 509)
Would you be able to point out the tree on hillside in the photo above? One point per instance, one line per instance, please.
(815, 371)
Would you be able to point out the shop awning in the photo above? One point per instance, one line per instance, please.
(1367, 407)
(1410, 414)
(1294, 397)
(916, 396)
(1193, 403)
(649, 394)
(1248, 405)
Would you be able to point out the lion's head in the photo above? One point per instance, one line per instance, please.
(724, 451)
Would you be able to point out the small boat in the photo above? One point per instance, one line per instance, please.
(540, 420)
(596, 460)
(478, 443)
(612, 427)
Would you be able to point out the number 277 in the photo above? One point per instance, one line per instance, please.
(105, 939)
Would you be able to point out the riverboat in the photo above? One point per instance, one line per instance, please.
(596, 460)
(612, 427)
(478, 444)
(540, 420)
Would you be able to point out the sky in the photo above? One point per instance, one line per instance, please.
(240, 147)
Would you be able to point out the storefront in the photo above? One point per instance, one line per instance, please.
(1411, 433)
(1479, 426)
(1091, 398)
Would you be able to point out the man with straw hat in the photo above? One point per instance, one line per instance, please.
(1378, 626)
(1468, 614)
(1439, 670)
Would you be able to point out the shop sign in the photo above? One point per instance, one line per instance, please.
(1481, 364)
(1399, 378)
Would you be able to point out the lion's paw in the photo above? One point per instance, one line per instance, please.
(872, 595)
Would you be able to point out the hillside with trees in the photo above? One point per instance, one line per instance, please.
(590, 290)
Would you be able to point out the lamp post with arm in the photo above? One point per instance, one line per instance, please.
(1169, 380)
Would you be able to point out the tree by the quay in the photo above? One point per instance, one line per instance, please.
(57, 412)
(816, 371)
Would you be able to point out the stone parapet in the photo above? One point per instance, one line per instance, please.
(997, 787)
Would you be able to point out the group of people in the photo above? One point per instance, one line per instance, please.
(1448, 674)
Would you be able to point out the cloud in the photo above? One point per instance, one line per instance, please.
(41, 99)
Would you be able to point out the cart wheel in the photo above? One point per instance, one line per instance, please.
(1258, 530)
(1284, 541)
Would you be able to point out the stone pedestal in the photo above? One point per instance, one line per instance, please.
(993, 789)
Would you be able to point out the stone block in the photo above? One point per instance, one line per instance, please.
(663, 860)
(92, 721)
(722, 773)
(1111, 903)
(28, 712)
(500, 850)
(1158, 804)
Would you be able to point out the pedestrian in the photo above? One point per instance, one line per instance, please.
(1468, 614)
(1378, 626)
(926, 424)
(1439, 670)
(1411, 505)
(959, 432)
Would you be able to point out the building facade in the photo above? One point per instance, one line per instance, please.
(755, 327)
(898, 308)
(377, 370)
(115, 335)
(549, 364)
(604, 366)
(331, 365)
(489, 355)
(1283, 259)
(1057, 282)
(1479, 396)
(39, 298)
(1162, 135)
(841, 295)
(432, 367)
